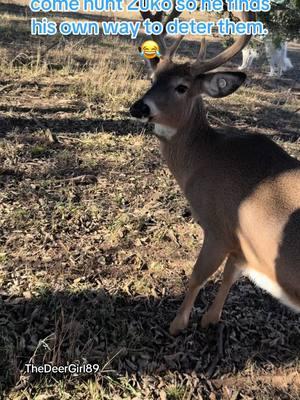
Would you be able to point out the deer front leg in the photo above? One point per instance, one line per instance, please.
(230, 276)
(210, 258)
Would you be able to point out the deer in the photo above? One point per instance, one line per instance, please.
(243, 188)
(275, 53)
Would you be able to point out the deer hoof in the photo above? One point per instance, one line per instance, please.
(177, 325)
(209, 319)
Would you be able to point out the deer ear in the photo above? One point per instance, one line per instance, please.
(220, 84)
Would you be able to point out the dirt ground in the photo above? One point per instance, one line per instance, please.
(97, 242)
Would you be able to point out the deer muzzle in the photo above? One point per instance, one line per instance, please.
(140, 109)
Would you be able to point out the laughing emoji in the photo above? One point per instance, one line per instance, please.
(149, 49)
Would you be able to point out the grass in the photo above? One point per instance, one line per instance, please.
(96, 240)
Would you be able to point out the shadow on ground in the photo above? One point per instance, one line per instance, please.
(126, 334)
(70, 125)
(266, 117)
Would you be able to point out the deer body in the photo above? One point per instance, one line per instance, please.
(244, 190)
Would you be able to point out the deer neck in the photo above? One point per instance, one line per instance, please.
(190, 143)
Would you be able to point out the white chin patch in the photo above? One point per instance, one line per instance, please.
(164, 131)
(144, 119)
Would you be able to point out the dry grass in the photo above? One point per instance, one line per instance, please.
(96, 240)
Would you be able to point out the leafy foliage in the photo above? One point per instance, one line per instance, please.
(283, 20)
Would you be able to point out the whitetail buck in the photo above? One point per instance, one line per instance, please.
(244, 190)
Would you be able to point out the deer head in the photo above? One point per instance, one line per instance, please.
(176, 88)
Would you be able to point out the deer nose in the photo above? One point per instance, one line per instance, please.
(140, 110)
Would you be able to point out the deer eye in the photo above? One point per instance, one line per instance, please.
(181, 89)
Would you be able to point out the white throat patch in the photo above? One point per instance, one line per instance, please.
(164, 131)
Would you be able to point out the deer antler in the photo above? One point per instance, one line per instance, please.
(166, 51)
(202, 51)
(201, 65)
